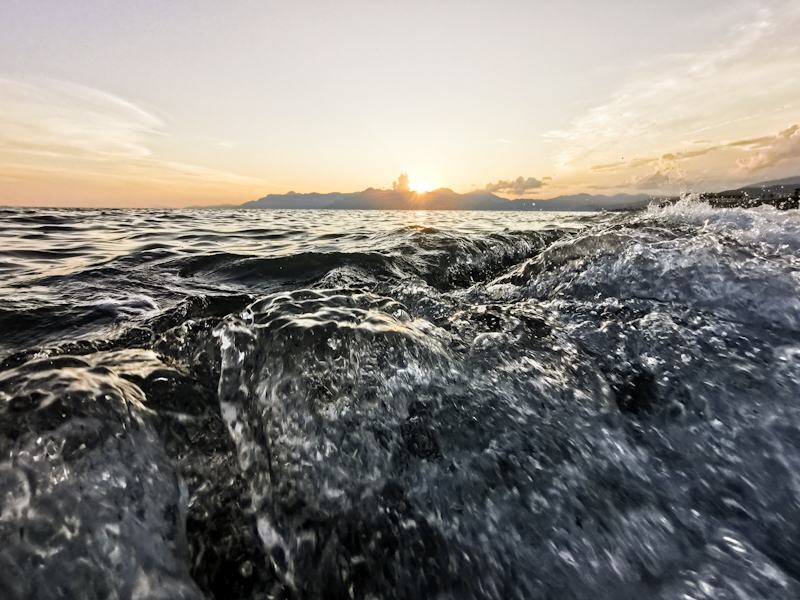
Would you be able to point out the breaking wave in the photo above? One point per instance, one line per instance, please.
(337, 404)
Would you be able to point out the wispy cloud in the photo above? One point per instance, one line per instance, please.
(52, 117)
(668, 170)
(62, 128)
(743, 85)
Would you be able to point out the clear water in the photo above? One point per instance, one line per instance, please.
(348, 404)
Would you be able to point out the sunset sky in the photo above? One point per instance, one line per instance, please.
(196, 102)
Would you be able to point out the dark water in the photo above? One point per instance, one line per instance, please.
(269, 404)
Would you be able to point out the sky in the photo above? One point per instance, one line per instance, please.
(193, 102)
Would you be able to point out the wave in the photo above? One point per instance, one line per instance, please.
(602, 406)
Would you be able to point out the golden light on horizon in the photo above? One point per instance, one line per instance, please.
(419, 186)
(133, 136)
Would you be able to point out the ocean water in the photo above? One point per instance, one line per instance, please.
(336, 404)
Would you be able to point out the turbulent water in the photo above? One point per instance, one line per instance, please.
(335, 404)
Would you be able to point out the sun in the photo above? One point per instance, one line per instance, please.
(419, 186)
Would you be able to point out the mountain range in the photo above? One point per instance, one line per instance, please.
(444, 199)
(447, 199)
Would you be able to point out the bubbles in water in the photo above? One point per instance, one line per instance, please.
(602, 406)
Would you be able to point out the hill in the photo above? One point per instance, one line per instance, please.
(781, 193)
(443, 199)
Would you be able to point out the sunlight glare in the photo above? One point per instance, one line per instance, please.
(419, 186)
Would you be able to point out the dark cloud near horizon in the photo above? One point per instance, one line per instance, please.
(518, 186)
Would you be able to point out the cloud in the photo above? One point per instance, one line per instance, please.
(401, 184)
(666, 174)
(770, 151)
(740, 86)
(655, 181)
(635, 163)
(517, 187)
(58, 127)
(52, 117)
(765, 152)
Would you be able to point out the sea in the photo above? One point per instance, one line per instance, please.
(266, 404)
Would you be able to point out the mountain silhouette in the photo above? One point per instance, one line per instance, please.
(444, 199)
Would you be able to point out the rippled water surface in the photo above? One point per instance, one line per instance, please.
(366, 404)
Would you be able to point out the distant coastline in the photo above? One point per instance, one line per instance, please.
(443, 199)
(782, 193)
